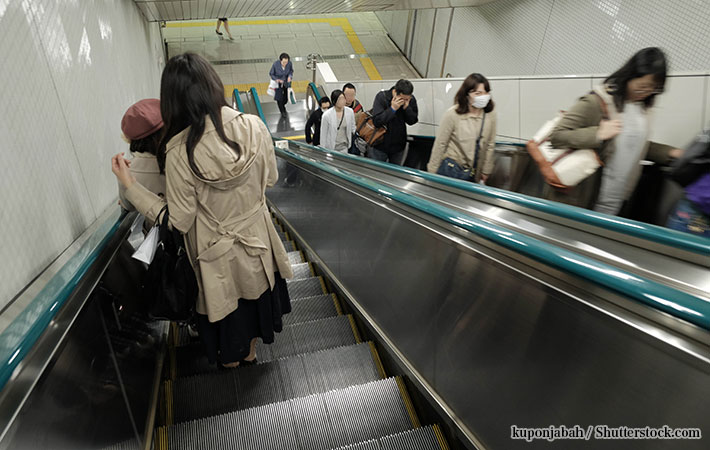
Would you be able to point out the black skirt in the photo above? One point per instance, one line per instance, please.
(228, 340)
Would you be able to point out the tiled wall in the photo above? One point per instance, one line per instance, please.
(70, 69)
(561, 37)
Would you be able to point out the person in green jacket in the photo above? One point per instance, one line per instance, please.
(621, 140)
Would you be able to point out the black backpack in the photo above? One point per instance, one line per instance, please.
(170, 286)
(695, 162)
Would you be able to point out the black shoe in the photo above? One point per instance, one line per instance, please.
(245, 363)
(218, 32)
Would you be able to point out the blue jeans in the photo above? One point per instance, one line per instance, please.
(379, 155)
(689, 219)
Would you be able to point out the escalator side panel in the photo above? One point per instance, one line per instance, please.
(499, 346)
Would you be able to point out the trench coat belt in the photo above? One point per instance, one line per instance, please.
(221, 244)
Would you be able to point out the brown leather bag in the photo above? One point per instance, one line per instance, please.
(366, 130)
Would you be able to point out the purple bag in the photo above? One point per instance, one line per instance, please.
(698, 192)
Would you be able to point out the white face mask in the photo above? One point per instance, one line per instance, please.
(481, 101)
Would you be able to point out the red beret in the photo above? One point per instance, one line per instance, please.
(142, 119)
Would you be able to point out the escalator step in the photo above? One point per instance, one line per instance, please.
(308, 287)
(301, 271)
(289, 246)
(295, 258)
(247, 387)
(311, 308)
(423, 438)
(321, 421)
(293, 340)
(282, 235)
(308, 337)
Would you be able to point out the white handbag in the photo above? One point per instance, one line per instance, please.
(271, 90)
(563, 167)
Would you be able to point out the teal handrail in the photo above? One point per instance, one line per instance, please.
(315, 90)
(238, 98)
(257, 102)
(664, 298)
(21, 335)
(653, 233)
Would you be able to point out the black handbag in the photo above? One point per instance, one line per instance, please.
(170, 286)
(695, 161)
(451, 168)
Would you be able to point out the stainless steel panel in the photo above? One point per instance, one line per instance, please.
(502, 342)
(617, 250)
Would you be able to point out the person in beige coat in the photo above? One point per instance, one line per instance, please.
(141, 127)
(471, 117)
(620, 140)
(218, 163)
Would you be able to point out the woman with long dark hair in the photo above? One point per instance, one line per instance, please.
(465, 140)
(217, 164)
(621, 140)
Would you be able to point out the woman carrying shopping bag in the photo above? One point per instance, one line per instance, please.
(217, 165)
(282, 73)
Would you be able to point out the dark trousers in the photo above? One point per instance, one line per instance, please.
(379, 155)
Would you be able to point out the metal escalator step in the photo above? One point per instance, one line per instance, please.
(308, 337)
(289, 246)
(295, 339)
(247, 387)
(301, 271)
(295, 258)
(282, 235)
(307, 287)
(318, 422)
(311, 308)
(369, 445)
(423, 438)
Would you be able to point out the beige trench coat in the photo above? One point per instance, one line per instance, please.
(232, 243)
(456, 139)
(144, 167)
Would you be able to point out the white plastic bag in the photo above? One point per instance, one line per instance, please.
(147, 249)
(136, 237)
(271, 91)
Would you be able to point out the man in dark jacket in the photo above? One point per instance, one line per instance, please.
(395, 108)
(314, 121)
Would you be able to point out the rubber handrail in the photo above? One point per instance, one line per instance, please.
(653, 233)
(257, 102)
(664, 298)
(236, 95)
(21, 335)
(315, 90)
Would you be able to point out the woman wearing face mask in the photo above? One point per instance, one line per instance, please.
(465, 140)
(621, 140)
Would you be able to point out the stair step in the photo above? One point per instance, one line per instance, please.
(250, 386)
(301, 271)
(317, 422)
(295, 339)
(295, 258)
(307, 287)
(311, 308)
(289, 246)
(424, 438)
(282, 235)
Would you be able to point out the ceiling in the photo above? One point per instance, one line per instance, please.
(155, 10)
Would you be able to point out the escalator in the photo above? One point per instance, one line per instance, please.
(319, 386)
(291, 126)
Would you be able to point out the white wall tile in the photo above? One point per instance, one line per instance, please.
(706, 110)
(69, 69)
(541, 99)
(438, 46)
(421, 39)
(443, 93)
(677, 115)
(506, 94)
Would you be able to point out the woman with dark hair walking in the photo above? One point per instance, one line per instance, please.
(217, 164)
(621, 139)
(465, 141)
(282, 72)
